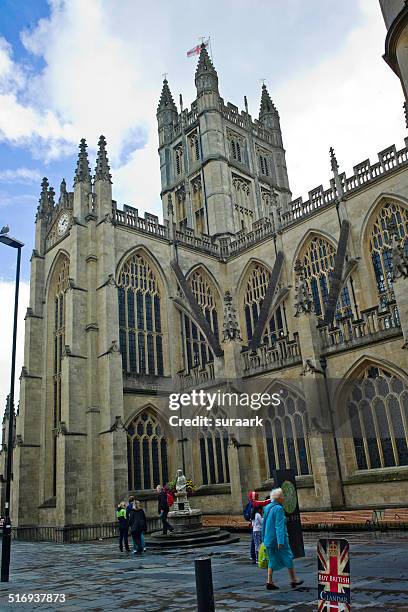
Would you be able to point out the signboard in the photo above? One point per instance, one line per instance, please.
(333, 567)
(286, 480)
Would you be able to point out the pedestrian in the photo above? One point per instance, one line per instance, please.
(256, 521)
(123, 526)
(163, 509)
(276, 539)
(138, 526)
(128, 509)
(253, 502)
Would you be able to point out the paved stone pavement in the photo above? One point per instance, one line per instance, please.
(97, 577)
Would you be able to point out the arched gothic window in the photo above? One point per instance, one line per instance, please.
(391, 214)
(255, 290)
(181, 213)
(214, 451)
(147, 453)
(58, 287)
(198, 204)
(196, 349)
(194, 146)
(178, 155)
(377, 406)
(285, 431)
(318, 261)
(140, 327)
(263, 164)
(243, 201)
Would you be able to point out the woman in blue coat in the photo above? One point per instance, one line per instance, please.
(275, 537)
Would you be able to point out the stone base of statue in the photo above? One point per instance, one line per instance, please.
(187, 523)
(190, 520)
(181, 503)
(188, 528)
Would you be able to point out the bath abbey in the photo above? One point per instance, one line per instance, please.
(239, 287)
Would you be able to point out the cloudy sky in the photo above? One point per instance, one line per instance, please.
(71, 69)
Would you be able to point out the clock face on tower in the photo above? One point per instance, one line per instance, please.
(63, 224)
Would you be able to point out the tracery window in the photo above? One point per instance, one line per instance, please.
(194, 146)
(236, 149)
(198, 204)
(140, 327)
(285, 430)
(263, 164)
(178, 154)
(214, 451)
(59, 285)
(318, 261)
(181, 213)
(197, 351)
(147, 453)
(255, 289)
(243, 201)
(377, 406)
(380, 246)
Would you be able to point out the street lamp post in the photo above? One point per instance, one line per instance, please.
(6, 544)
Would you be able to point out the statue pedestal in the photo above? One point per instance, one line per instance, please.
(181, 503)
(182, 520)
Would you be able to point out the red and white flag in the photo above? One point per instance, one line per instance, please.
(196, 50)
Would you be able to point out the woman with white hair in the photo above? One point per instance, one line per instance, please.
(276, 539)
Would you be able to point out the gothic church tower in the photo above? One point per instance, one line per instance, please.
(223, 170)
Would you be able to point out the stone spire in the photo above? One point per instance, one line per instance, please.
(82, 172)
(63, 198)
(166, 101)
(335, 169)
(43, 206)
(333, 160)
(102, 166)
(230, 327)
(267, 106)
(206, 78)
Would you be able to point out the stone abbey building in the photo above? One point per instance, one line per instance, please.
(241, 285)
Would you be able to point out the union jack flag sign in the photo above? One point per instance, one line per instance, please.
(333, 566)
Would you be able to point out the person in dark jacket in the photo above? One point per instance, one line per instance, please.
(163, 509)
(138, 526)
(123, 526)
(128, 509)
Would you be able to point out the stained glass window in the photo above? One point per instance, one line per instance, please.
(380, 246)
(58, 286)
(318, 261)
(285, 430)
(140, 332)
(197, 351)
(214, 451)
(256, 286)
(147, 453)
(377, 408)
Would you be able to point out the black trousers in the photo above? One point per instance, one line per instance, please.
(123, 537)
(166, 524)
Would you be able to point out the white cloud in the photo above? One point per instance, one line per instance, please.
(24, 123)
(7, 316)
(20, 175)
(351, 101)
(103, 64)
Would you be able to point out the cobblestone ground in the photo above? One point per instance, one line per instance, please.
(97, 577)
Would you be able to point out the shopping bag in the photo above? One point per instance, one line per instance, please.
(262, 557)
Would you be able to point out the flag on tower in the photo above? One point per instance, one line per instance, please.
(196, 50)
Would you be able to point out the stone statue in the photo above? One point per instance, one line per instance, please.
(399, 259)
(303, 299)
(181, 503)
(181, 483)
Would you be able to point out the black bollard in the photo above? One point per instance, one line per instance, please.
(204, 585)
